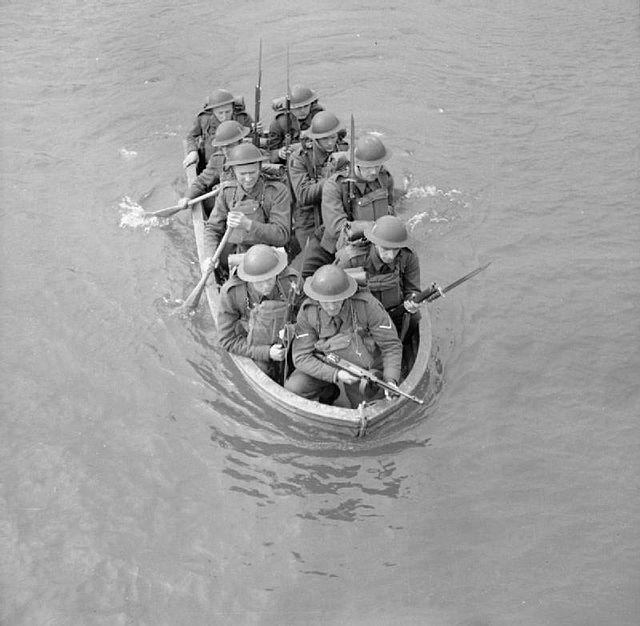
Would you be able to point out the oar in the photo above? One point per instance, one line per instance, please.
(171, 210)
(193, 299)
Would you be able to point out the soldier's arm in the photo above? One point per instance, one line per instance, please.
(411, 275)
(334, 217)
(305, 189)
(276, 231)
(209, 177)
(215, 226)
(302, 351)
(193, 136)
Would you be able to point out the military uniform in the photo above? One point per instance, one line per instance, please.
(213, 174)
(371, 335)
(370, 201)
(240, 305)
(267, 205)
(309, 166)
(390, 284)
(204, 128)
(278, 130)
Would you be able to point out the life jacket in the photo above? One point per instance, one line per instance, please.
(354, 343)
(371, 205)
(264, 320)
(387, 288)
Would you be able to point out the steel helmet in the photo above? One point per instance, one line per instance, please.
(324, 124)
(261, 262)
(370, 151)
(219, 98)
(330, 283)
(228, 132)
(388, 231)
(244, 154)
(301, 96)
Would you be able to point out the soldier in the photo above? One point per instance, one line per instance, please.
(303, 106)
(337, 318)
(349, 205)
(392, 269)
(219, 107)
(256, 205)
(253, 307)
(228, 134)
(310, 164)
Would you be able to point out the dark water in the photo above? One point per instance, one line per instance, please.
(141, 483)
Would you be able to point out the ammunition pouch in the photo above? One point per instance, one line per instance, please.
(265, 322)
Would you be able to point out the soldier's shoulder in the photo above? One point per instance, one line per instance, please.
(338, 178)
(290, 273)
(275, 182)
(231, 286)
(309, 306)
(367, 300)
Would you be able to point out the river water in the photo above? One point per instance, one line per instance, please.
(142, 483)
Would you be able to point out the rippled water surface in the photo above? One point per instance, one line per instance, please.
(142, 483)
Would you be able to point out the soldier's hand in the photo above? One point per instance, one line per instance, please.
(277, 352)
(347, 378)
(259, 126)
(338, 160)
(192, 157)
(389, 394)
(235, 219)
(411, 307)
(207, 264)
(284, 153)
(183, 202)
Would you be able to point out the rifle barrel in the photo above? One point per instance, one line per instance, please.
(258, 97)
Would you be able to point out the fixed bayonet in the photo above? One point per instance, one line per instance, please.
(258, 98)
(436, 292)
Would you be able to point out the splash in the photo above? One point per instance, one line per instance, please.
(133, 216)
(128, 154)
(441, 205)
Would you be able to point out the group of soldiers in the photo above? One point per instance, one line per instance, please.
(299, 195)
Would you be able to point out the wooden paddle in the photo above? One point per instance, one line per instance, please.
(171, 210)
(193, 299)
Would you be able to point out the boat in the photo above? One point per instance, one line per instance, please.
(326, 418)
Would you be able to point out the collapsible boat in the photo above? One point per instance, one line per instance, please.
(335, 419)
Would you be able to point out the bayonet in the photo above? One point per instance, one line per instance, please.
(257, 99)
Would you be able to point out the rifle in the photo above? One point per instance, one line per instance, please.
(287, 137)
(352, 159)
(338, 362)
(433, 293)
(257, 98)
(294, 292)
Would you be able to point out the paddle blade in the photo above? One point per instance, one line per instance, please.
(168, 212)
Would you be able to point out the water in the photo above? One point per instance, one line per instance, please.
(143, 484)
